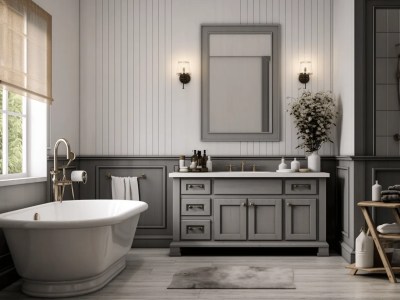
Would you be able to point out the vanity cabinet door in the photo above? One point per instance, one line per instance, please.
(265, 219)
(230, 219)
(301, 219)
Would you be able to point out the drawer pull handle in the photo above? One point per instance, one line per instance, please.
(195, 207)
(301, 186)
(196, 227)
(196, 186)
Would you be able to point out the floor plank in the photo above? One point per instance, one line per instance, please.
(149, 272)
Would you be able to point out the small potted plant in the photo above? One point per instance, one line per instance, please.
(314, 115)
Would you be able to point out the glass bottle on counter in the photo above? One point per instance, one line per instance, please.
(205, 157)
(199, 160)
(193, 160)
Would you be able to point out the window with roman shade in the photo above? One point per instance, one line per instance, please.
(25, 75)
(25, 49)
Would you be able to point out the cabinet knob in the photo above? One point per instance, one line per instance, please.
(243, 204)
(289, 204)
(251, 204)
(190, 206)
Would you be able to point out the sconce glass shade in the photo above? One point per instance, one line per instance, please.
(305, 67)
(183, 67)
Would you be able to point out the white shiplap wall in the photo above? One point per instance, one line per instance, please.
(131, 102)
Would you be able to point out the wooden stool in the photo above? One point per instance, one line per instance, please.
(378, 237)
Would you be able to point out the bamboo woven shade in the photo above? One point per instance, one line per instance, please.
(25, 49)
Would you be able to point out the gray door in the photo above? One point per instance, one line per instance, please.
(265, 219)
(301, 219)
(230, 219)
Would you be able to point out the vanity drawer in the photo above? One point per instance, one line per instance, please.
(253, 186)
(196, 230)
(301, 186)
(195, 207)
(195, 187)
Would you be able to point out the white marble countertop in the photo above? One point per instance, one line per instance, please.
(238, 174)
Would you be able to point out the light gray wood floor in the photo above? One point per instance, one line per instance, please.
(149, 272)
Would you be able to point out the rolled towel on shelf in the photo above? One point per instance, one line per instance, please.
(390, 192)
(390, 198)
(393, 228)
(394, 187)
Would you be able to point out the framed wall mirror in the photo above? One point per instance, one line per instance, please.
(240, 93)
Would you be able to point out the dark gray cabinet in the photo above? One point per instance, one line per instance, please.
(277, 210)
(264, 219)
(300, 219)
(247, 219)
(230, 219)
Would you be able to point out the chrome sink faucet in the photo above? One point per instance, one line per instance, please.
(60, 183)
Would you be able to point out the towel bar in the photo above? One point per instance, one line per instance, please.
(143, 176)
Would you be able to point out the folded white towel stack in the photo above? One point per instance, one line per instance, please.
(125, 188)
(393, 228)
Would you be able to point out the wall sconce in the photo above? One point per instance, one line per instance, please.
(305, 72)
(184, 72)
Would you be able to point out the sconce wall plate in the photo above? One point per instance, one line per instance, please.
(305, 72)
(184, 78)
(304, 78)
(183, 71)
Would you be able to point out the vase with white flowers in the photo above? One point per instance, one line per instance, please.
(314, 115)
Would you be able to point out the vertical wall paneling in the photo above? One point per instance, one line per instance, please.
(98, 72)
(131, 100)
(87, 78)
(130, 69)
(124, 77)
(118, 115)
(104, 84)
(136, 77)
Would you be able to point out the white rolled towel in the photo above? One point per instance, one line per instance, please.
(386, 228)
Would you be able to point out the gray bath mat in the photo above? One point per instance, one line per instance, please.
(233, 277)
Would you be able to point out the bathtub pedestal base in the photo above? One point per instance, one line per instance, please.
(55, 289)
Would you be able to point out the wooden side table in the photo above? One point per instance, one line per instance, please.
(377, 237)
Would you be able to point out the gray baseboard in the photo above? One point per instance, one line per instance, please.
(137, 243)
(348, 253)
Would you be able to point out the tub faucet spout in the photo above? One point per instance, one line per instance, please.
(60, 183)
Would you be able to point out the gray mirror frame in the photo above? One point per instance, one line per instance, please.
(206, 135)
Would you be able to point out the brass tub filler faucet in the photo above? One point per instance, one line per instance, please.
(60, 182)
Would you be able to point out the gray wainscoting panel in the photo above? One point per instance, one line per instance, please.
(151, 189)
(342, 179)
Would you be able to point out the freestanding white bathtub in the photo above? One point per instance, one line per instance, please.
(76, 247)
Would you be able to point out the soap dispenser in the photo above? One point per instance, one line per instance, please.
(282, 165)
(295, 165)
(209, 164)
(376, 191)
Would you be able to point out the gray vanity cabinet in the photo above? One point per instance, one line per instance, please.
(264, 219)
(249, 210)
(230, 219)
(300, 219)
(248, 219)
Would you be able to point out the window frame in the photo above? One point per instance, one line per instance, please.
(5, 155)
